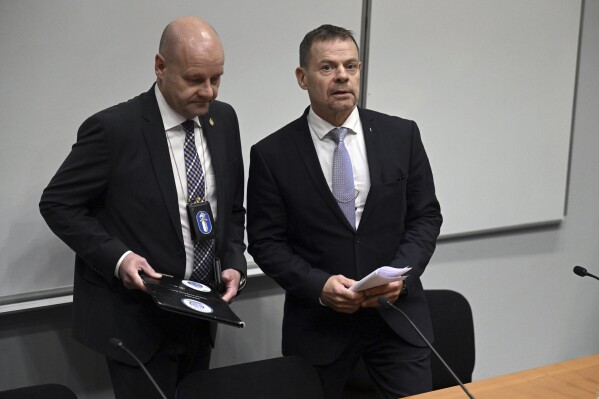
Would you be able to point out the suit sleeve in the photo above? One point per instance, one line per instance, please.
(234, 257)
(423, 216)
(267, 233)
(72, 198)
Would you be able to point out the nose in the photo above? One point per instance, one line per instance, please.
(207, 90)
(341, 74)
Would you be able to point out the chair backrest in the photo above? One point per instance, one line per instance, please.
(43, 391)
(453, 327)
(283, 377)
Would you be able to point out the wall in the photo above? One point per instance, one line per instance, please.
(529, 308)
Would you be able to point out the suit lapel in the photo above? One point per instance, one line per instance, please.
(153, 131)
(373, 154)
(216, 145)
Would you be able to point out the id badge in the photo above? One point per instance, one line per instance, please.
(201, 220)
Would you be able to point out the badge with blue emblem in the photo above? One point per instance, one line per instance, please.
(201, 221)
(204, 222)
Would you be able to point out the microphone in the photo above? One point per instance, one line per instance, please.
(119, 344)
(581, 271)
(385, 302)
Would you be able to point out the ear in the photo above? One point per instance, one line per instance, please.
(159, 65)
(300, 75)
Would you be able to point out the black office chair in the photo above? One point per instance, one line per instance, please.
(282, 377)
(453, 328)
(43, 391)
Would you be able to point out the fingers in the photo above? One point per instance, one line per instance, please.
(336, 295)
(231, 278)
(129, 272)
(386, 289)
(391, 291)
(230, 293)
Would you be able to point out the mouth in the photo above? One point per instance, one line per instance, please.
(341, 93)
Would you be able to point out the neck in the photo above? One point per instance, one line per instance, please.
(335, 118)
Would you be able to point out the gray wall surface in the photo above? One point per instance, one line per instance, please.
(529, 308)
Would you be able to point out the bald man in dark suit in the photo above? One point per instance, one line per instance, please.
(119, 201)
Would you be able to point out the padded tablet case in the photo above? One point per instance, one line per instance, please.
(191, 299)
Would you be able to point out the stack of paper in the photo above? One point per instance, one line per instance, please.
(382, 275)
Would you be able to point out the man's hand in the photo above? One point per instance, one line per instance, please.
(231, 279)
(337, 296)
(391, 291)
(129, 272)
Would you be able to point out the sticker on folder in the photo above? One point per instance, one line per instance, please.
(196, 286)
(196, 305)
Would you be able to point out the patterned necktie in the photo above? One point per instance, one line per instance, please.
(343, 177)
(203, 251)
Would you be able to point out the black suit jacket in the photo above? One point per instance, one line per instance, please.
(299, 236)
(116, 192)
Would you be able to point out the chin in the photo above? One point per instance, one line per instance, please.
(199, 111)
(343, 106)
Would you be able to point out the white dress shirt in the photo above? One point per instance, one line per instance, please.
(175, 136)
(354, 142)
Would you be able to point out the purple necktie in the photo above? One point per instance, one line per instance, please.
(203, 251)
(343, 176)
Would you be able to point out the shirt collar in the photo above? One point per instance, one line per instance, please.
(321, 127)
(170, 117)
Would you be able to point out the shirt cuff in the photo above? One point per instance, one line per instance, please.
(118, 264)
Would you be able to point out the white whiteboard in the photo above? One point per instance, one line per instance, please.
(491, 85)
(65, 60)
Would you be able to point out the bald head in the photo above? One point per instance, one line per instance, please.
(188, 66)
(187, 31)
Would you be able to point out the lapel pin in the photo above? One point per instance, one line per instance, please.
(211, 122)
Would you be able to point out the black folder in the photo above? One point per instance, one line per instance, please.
(191, 298)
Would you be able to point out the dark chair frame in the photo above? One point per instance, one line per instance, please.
(286, 377)
(42, 391)
(453, 328)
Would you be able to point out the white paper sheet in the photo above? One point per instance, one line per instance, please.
(382, 275)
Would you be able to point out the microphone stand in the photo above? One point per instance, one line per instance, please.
(387, 303)
(117, 343)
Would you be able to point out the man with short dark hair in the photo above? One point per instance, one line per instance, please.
(332, 196)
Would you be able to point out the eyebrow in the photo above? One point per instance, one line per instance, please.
(329, 60)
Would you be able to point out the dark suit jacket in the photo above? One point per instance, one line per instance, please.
(299, 236)
(116, 192)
